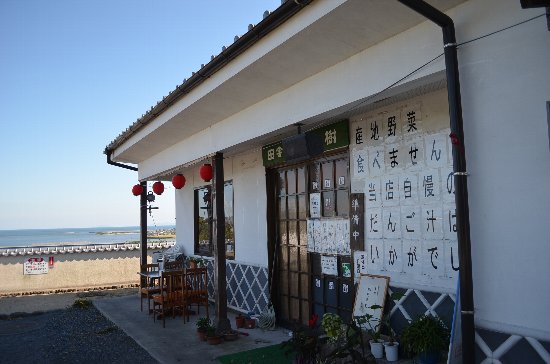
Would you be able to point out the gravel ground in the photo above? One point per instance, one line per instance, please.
(72, 335)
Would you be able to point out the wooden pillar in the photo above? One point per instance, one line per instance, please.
(218, 240)
(143, 225)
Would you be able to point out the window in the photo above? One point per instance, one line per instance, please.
(203, 221)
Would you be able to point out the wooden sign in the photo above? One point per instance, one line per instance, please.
(371, 291)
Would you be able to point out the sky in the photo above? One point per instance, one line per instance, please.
(74, 74)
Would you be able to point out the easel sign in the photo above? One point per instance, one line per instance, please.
(371, 291)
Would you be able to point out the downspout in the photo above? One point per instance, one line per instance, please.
(142, 207)
(459, 169)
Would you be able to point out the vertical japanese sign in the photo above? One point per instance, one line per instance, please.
(357, 221)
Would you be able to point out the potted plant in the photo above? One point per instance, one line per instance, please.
(372, 325)
(230, 335)
(239, 321)
(203, 324)
(212, 337)
(425, 337)
(391, 347)
(249, 322)
(196, 262)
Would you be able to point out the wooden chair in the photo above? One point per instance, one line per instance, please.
(173, 265)
(148, 286)
(173, 295)
(197, 283)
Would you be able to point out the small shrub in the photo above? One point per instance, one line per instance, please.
(82, 304)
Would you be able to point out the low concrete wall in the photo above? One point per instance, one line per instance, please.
(76, 271)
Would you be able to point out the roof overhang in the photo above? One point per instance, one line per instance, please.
(321, 35)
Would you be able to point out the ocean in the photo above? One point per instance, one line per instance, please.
(96, 235)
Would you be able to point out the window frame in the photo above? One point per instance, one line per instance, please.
(197, 206)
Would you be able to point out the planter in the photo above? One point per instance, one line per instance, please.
(231, 336)
(392, 351)
(249, 323)
(239, 322)
(202, 335)
(214, 340)
(428, 357)
(377, 349)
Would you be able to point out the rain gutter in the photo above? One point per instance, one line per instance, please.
(459, 169)
(142, 209)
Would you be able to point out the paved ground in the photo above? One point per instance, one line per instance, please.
(66, 335)
(178, 342)
(42, 329)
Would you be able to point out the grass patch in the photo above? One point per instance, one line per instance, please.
(82, 304)
(274, 354)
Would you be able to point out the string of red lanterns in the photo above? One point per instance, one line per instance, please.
(178, 181)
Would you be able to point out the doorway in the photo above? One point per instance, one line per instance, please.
(300, 287)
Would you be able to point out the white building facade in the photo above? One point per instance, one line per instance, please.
(341, 73)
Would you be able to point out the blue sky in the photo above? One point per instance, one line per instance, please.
(74, 74)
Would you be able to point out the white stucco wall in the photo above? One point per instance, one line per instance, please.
(249, 201)
(505, 87)
(505, 82)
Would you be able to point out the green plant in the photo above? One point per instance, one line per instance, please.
(425, 334)
(82, 304)
(199, 261)
(203, 324)
(386, 324)
(211, 331)
(333, 326)
(370, 323)
(305, 344)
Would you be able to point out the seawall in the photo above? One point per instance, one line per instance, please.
(75, 267)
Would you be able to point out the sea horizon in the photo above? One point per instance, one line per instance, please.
(80, 235)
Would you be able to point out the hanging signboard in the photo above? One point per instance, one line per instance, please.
(333, 136)
(35, 266)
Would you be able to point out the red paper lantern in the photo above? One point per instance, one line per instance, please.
(206, 172)
(158, 187)
(137, 190)
(178, 181)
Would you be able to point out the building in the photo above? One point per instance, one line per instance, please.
(325, 104)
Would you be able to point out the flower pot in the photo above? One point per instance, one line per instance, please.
(239, 322)
(202, 335)
(377, 349)
(249, 323)
(392, 351)
(214, 340)
(231, 336)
